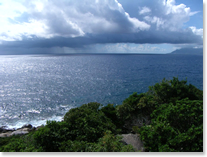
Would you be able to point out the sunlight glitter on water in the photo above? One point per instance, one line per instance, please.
(36, 88)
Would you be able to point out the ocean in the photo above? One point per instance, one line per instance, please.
(34, 89)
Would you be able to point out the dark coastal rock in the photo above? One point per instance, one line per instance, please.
(27, 126)
(4, 130)
(20, 131)
(134, 140)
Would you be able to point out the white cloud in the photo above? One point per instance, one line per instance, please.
(170, 16)
(193, 13)
(156, 20)
(144, 10)
(17, 31)
(138, 25)
(171, 8)
(197, 31)
(9, 9)
(69, 19)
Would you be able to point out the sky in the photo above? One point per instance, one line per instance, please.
(99, 26)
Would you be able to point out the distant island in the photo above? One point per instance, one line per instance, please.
(198, 51)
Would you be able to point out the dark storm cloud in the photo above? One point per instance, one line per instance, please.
(76, 24)
(80, 42)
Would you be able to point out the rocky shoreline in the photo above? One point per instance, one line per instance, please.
(20, 131)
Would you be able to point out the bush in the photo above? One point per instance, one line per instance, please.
(88, 122)
(129, 106)
(110, 112)
(108, 143)
(111, 143)
(175, 127)
(129, 111)
(167, 91)
(16, 143)
(12, 144)
(172, 90)
(76, 146)
(136, 109)
(51, 136)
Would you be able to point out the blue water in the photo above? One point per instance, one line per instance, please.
(34, 89)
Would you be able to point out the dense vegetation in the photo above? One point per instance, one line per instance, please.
(169, 117)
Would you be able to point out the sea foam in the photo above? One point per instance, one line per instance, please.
(35, 123)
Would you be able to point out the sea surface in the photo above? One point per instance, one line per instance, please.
(34, 89)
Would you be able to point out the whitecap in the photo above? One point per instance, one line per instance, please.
(33, 111)
(35, 123)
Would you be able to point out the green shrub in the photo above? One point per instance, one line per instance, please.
(167, 91)
(5, 141)
(24, 143)
(129, 107)
(136, 109)
(88, 122)
(110, 112)
(172, 90)
(108, 143)
(175, 127)
(11, 144)
(76, 146)
(111, 143)
(51, 136)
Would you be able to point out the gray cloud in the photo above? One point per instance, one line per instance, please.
(157, 37)
(76, 24)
